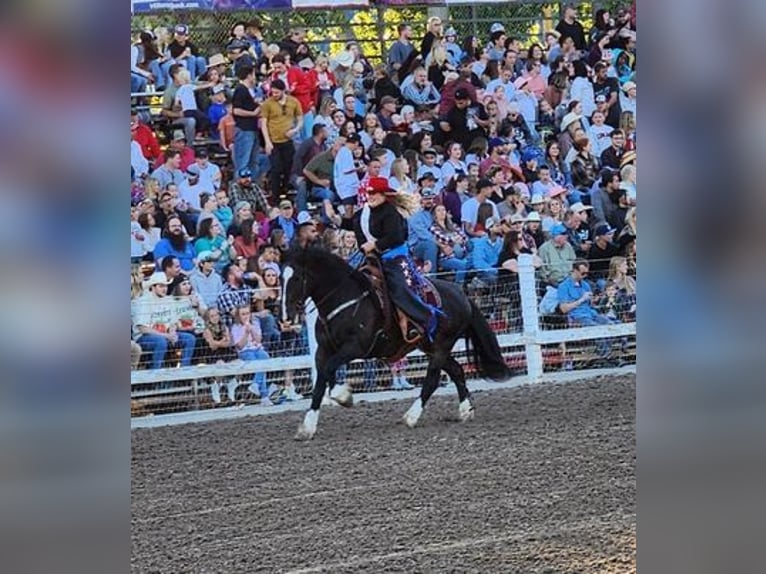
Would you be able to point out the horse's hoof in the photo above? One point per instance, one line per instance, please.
(342, 395)
(466, 411)
(412, 416)
(303, 434)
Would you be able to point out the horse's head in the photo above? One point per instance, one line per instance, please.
(294, 288)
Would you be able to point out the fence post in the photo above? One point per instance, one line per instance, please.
(530, 317)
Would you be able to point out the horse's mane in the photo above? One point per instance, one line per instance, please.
(326, 261)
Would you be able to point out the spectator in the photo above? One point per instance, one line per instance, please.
(575, 295)
(204, 279)
(432, 36)
(418, 90)
(470, 209)
(170, 170)
(169, 208)
(248, 243)
(171, 110)
(453, 164)
(209, 206)
(345, 176)
(154, 324)
(613, 304)
(178, 143)
(186, 100)
(209, 173)
(628, 98)
(569, 26)
(400, 179)
(618, 274)
(246, 109)
(189, 308)
(452, 243)
(245, 190)
(295, 45)
(217, 110)
(608, 87)
(601, 252)
(285, 220)
(149, 232)
(145, 64)
(557, 256)
(183, 51)
(604, 199)
(175, 243)
(627, 234)
(246, 335)
(218, 350)
(600, 134)
(282, 120)
(234, 293)
(486, 250)
(171, 267)
(585, 166)
(612, 156)
(401, 49)
(419, 238)
(576, 222)
(534, 229)
(190, 189)
(143, 134)
(454, 124)
(211, 238)
(226, 128)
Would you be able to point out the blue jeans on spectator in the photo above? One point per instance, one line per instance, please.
(188, 125)
(603, 346)
(269, 330)
(157, 345)
(246, 151)
(306, 190)
(308, 123)
(259, 379)
(460, 266)
(195, 64)
(427, 251)
(137, 82)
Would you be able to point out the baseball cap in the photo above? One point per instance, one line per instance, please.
(179, 135)
(217, 89)
(604, 229)
(304, 218)
(387, 100)
(496, 27)
(426, 175)
(428, 193)
(241, 205)
(430, 151)
(600, 99)
(200, 153)
(237, 44)
(244, 172)
(520, 82)
(205, 256)
(579, 206)
(530, 153)
(462, 94)
(450, 32)
(491, 222)
(558, 229)
(285, 203)
(181, 29)
(353, 138)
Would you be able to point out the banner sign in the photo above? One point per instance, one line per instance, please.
(139, 6)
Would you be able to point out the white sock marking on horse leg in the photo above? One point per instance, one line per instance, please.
(308, 428)
(465, 410)
(412, 416)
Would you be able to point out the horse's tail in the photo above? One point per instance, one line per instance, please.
(486, 350)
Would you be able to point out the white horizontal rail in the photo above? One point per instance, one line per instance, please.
(237, 368)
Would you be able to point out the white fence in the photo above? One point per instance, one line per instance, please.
(147, 384)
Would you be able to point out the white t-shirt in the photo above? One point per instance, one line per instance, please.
(137, 160)
(185, 97)
(190, 193)
(157, 313)
(599, 136)
(344, 174)
(210, 175)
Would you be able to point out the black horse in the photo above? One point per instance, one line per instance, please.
(351, 325)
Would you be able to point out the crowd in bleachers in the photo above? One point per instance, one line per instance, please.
(510, 145)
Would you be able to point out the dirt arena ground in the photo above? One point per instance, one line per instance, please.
(541, 481)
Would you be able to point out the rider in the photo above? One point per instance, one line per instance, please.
(382, 227)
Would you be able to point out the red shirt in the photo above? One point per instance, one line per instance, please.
(145, 137)
(298, 86)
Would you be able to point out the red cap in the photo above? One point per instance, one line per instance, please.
(378, 185)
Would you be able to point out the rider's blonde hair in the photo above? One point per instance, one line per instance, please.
(406, 204)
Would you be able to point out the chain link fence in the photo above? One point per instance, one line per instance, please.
(373, 28)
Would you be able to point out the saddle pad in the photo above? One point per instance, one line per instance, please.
(428, 293)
